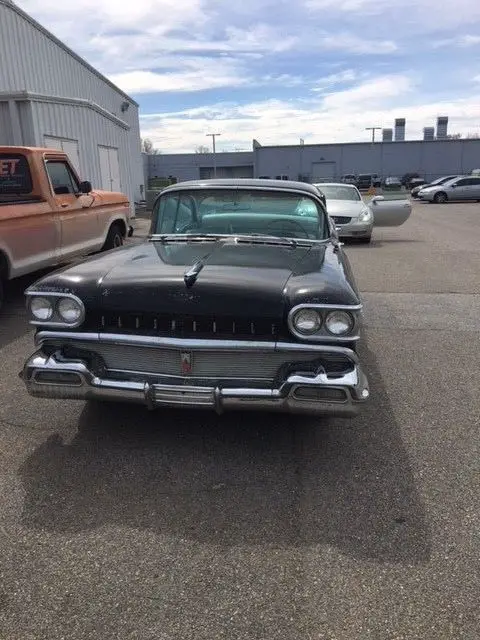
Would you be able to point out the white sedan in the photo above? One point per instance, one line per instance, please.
(354, 218)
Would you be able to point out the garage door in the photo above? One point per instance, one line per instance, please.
(109, 168)
(323, 171)
(70, 147)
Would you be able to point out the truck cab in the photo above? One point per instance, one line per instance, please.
(48, 216)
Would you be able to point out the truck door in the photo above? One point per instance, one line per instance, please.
(79, 228)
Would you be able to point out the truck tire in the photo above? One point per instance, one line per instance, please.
(1, 291)
(114, 237)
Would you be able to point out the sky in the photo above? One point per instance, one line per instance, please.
(279, 71)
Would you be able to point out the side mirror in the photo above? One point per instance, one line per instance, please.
(454, 186)
(85, 187)
(376, 199)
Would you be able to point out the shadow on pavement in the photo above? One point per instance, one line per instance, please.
(238, 479)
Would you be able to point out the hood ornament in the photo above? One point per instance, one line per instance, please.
(190, 276)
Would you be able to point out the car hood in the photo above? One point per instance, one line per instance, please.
(240, 280)
(345, 208)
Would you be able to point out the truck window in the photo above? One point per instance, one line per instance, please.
(62, 179)
(15, 177)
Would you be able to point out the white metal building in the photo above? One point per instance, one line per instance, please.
(50, 97)
(317, 162)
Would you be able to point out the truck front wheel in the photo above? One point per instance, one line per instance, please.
(114, 238)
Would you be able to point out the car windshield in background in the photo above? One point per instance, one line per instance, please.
(245, 212)
(339, 193)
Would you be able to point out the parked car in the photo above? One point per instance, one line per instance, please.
(392, 183)
(48, 216)
(460, 188)
(415, 185)
(417, 188)
(367, 180)
(354, 218)
(241, 298)
(349, 178)
(407, 179)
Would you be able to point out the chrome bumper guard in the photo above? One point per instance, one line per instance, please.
(53, 376)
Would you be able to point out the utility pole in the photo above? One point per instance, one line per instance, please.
(373, 129)
(214, 136)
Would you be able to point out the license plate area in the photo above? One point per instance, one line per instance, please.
(182, 395)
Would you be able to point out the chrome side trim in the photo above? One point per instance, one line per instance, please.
(187, 343)
(54, 294)
(354, 309)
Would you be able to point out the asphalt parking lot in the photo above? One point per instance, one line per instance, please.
(120, 523)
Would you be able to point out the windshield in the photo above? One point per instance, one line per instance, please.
(240, 212)
(443, 180)
(334, 192)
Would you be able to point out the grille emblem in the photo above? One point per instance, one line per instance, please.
(186, 363)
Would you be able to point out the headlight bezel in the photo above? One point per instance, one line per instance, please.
(48, 305)
(55, 319)
(323, 334)
(304, 310)
(350, 319)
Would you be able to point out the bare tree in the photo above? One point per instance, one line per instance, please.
(147, 147)
(202, 149)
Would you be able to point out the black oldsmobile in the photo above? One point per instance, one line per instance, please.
(241, 298)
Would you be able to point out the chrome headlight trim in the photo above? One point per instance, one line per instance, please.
(49, 308)
(347, 318)
(56, 319)
(316, 318)
(322, 335)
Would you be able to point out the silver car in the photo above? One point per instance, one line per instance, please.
(354, 218)
(459, 188)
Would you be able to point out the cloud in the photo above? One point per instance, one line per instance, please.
(337, 117)
(192, 74)
(348, 42)
(462, 41)
(342, 77)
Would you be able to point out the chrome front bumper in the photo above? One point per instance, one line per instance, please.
(53, 376)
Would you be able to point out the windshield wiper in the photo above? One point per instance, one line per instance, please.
(184, 237)
(266, 239)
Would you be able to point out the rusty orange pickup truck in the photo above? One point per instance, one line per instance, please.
(48, 216)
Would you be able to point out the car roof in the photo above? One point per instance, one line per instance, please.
(244, 183)
(319, 185)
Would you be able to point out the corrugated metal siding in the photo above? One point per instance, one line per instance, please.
(31, 61)
(6, 133)
(26, 123)
(430, 159)
(186, 166)
(90, 129)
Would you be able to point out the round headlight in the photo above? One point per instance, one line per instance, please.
(307, 321)
(41, 308)
(339, 323)
(69, 310)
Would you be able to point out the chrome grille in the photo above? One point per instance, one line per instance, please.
(180, 326)
(207, 363)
